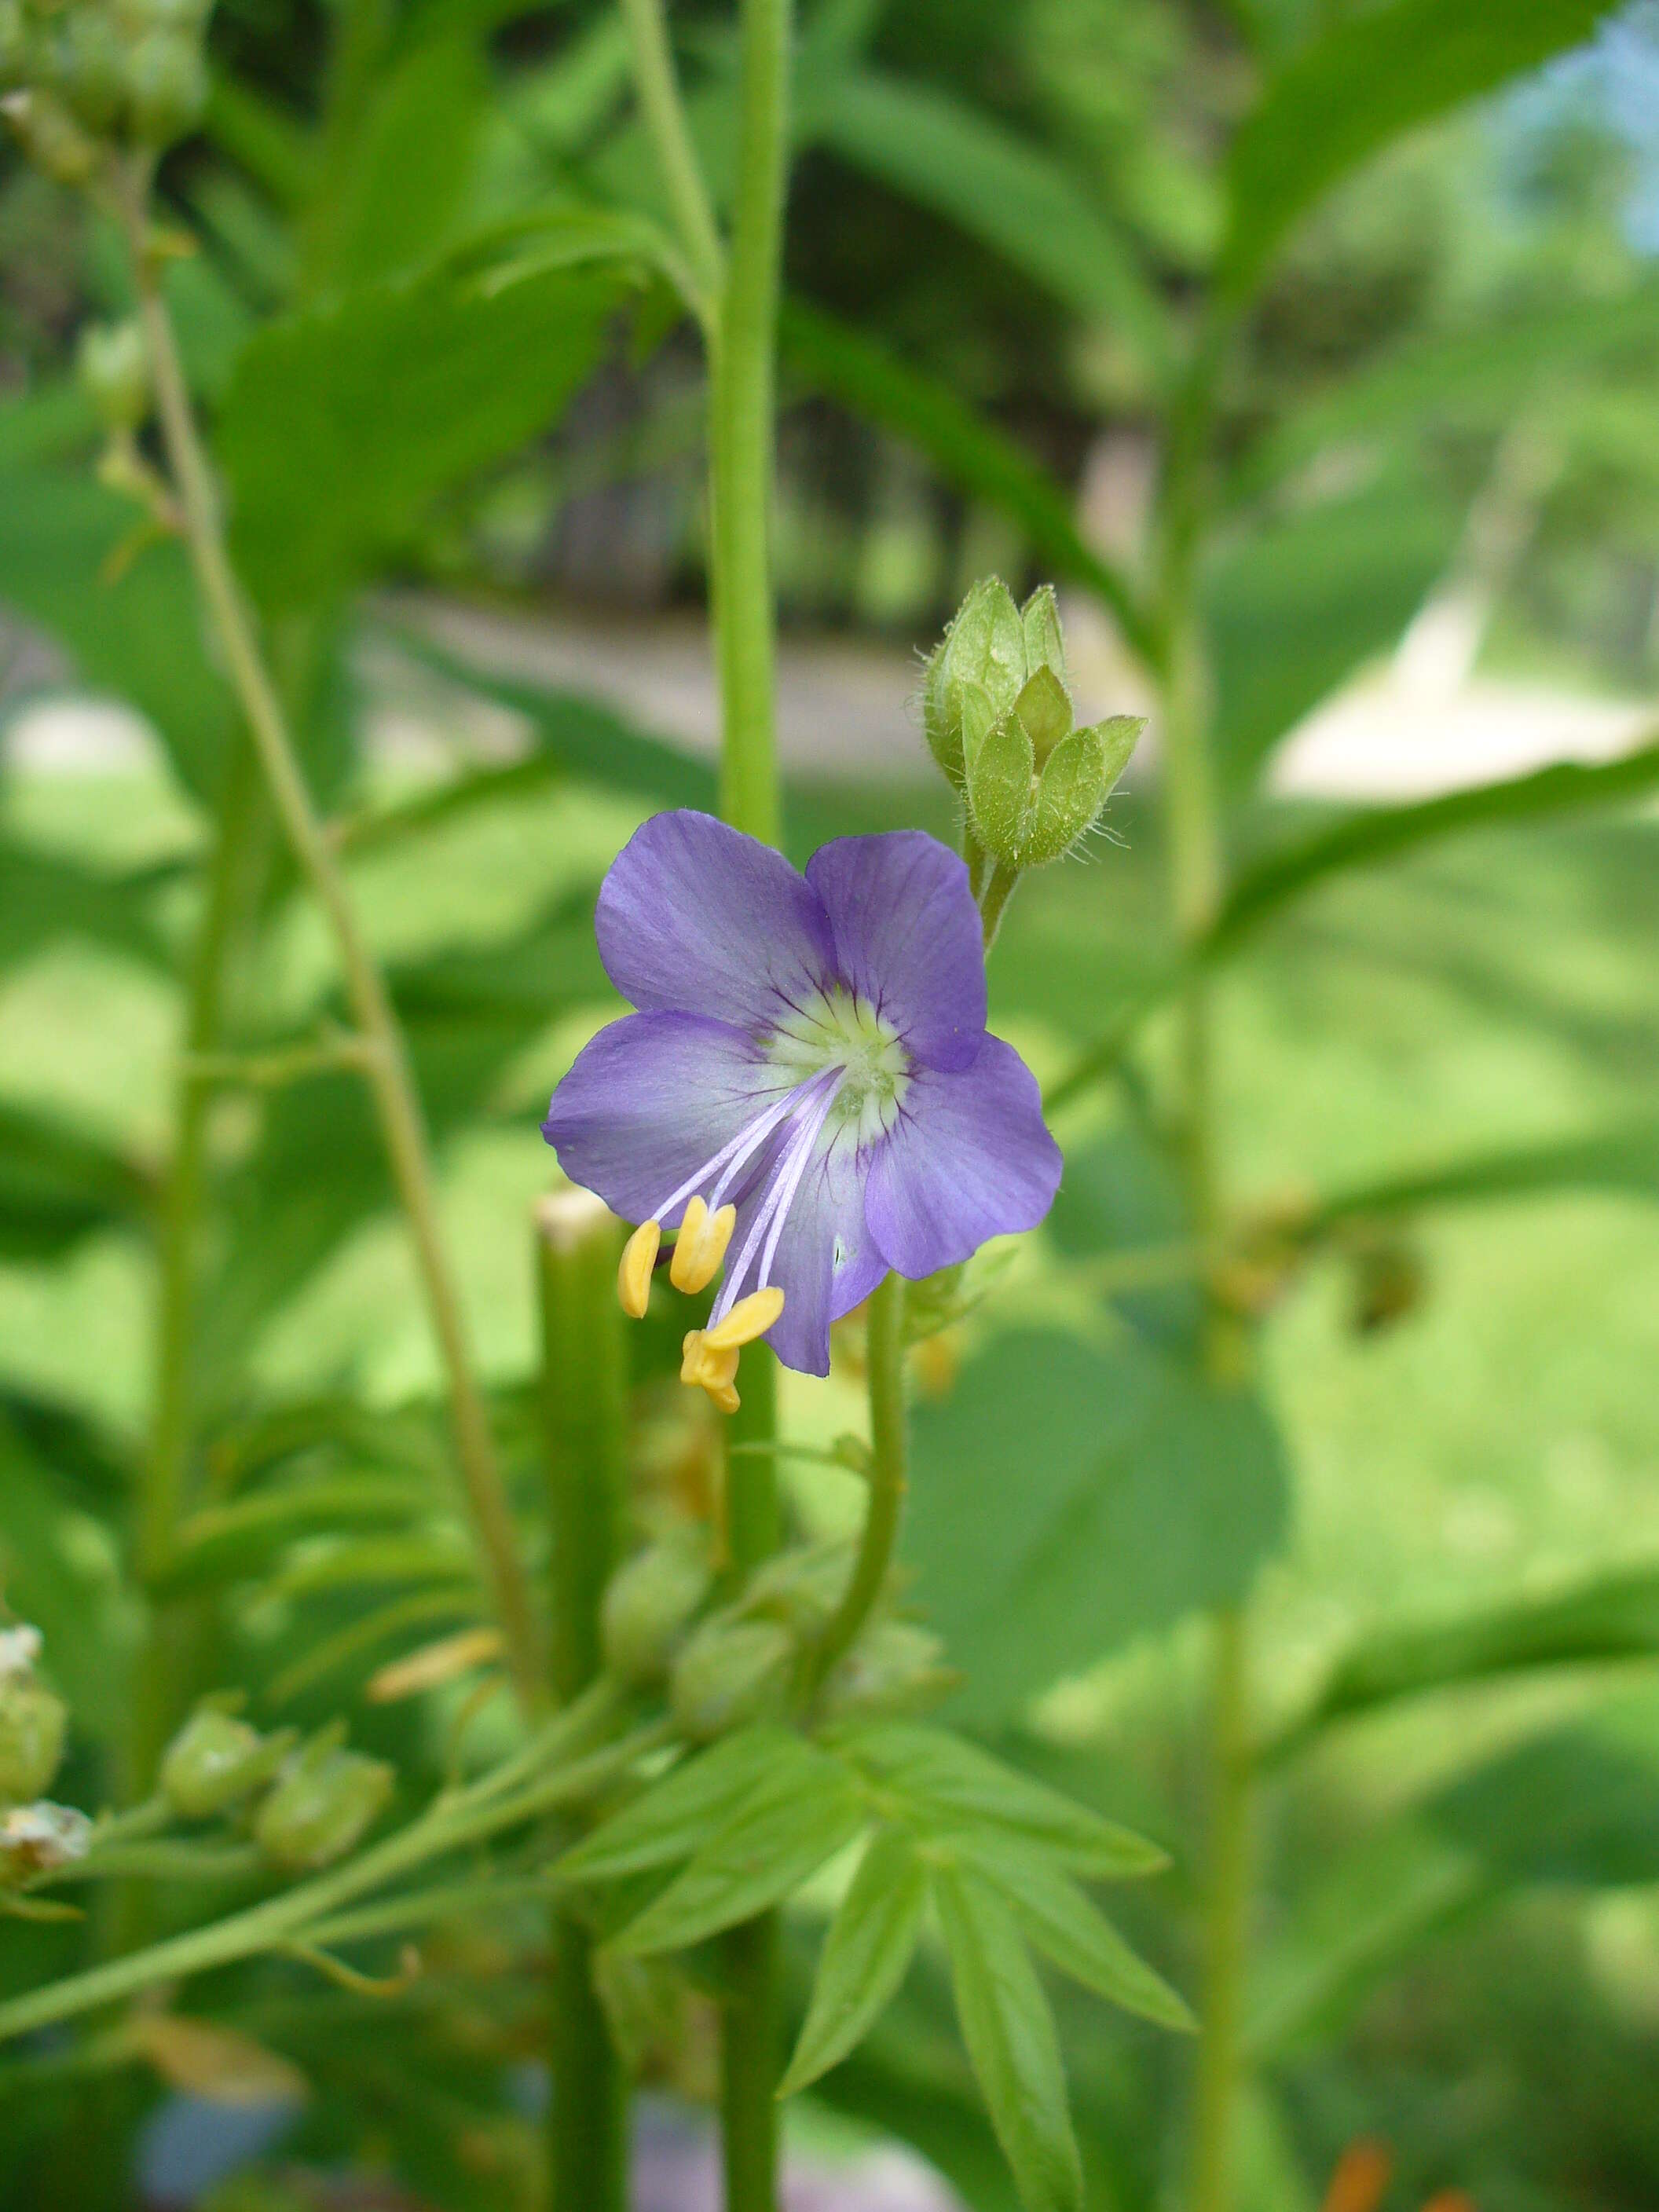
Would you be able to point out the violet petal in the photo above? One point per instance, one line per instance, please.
(908, 939)
(967, 1159)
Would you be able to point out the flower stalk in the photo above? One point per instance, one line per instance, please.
(388, 1071)
(583, 1384)
(888, 1468)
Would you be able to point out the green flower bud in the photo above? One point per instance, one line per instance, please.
(51, 137)
(33, 1726)
(322, 1806)
(801, 1587)
(39, 1838)
(731, 1672)
(997, 709)
(648, 1605)
(166, 86)
(895, 1667)
(84, 61)
(114, 373)
(216, 1760)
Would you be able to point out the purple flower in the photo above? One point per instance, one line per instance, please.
(808, 1086)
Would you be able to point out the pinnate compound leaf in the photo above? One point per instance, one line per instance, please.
(1113, 1490)
(1008, 2031)
(1068, 1928)
(1371, 77)
(868, 1948)
(785, 1829)
(342, 425)
(938, 1783)
(671, 1818)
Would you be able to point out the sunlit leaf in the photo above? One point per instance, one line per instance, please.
(673, 1816)
(869, 1944)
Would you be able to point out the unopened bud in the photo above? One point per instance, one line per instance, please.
(39, 1838)
(114, 373)
(800, 1587)
(648, 1605)
(895, 1667)
(166, 86)
(997, 709)
(83, 60)
(730, 1674)
(323, 1805)
(33, 1725)
(217, 1761)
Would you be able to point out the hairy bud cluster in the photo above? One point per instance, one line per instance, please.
(307, 1805)
(996, 711)
(81, 77)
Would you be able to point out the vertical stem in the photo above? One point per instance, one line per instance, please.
(742, 384)
(1226, 1919)
(889, 1459)
(665, 120)
(389, 1074)
(584, 1383)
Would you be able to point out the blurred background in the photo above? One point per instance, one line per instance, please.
(1429, 564)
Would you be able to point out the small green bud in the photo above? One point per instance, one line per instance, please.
(1045, 646)
(216, 1760)
(33, 1726)
(1075, 785)
(984, 647)
(322, 1806)
(114, 371)
(895, 1667)
(39, 1838)
(166, 86)
(84, 61)
(648, 1605)
(732, 1673)
(51, 137)
(801, 1587)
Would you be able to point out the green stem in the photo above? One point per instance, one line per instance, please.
(665, 120)
(998, 890)
(584, 1403)
(469, 1816)
(742, 383)
(388, 1071)
(1226, 1926)
(888, 1467)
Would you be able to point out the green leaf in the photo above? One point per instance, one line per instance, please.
(1296, 605)
(57, 1182)
(862, 375)
(580, 735)
(342, 426)
(1371, 77)
(1068, 1928)
(139, 637)
(867, 1952)
(1010, 2035)
(784, 1830)
(227, 1543)
(940, 1783)
(1379, 834)
(1067, 1497)
(1006, 192)
(1366, 1915)
(671, 1817)
(367, 1562)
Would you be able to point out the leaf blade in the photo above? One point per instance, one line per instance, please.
(866, 1953)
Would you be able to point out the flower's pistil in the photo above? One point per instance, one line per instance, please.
(841, 1030)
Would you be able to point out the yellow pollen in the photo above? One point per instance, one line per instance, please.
(633, 1274)
(711, 1367)
(700, 1245)
(750, 1317)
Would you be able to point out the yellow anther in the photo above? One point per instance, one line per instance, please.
(750, 1317)
(700, 1245)
(633, 1274)
(711, 1367)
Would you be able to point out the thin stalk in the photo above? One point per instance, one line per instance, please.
(888, 1468)
(743, 380)
(664, 112)
(1226, 1920)
(469, 1816)
(998, 890)
(585, 1407)
(388, 1071)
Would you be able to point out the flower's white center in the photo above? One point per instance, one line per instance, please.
(837, 1029)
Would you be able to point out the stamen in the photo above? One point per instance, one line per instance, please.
(634, 1273)
(700, 1245)
(750, 1317)
(773, 1213)
(713, 1367)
